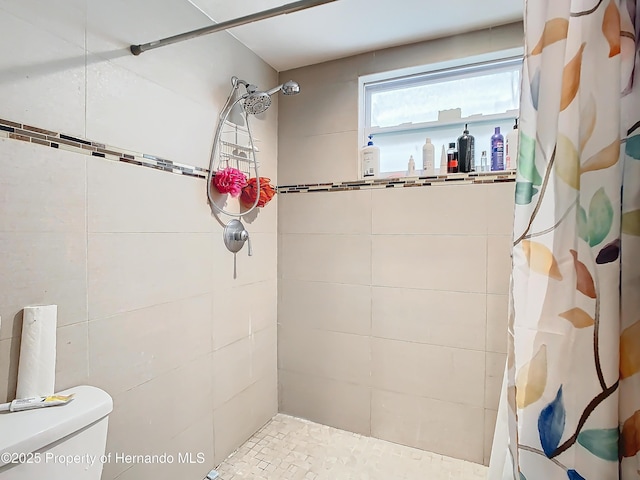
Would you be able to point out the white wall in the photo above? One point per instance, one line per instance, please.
(148, 307)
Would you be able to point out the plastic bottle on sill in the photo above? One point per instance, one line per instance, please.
(483, 162)
(511, 148)
(443, 162)
(428, 158)
(452, 159)
(497, 151)
(370, 156)
(411, 167)
(466, 151)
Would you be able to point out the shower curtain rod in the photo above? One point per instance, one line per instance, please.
(254, 17)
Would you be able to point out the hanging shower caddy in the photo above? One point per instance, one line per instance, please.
(234, 148)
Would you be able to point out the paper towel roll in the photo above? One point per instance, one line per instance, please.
(37, 364)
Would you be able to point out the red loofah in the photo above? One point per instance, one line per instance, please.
(248, 196)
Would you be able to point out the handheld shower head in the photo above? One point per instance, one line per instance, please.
(288, 88)
(257, 102)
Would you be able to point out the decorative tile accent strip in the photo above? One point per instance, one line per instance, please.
(458, 178)
(47, 138)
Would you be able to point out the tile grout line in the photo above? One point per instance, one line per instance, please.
(370, 313)
(86, 195)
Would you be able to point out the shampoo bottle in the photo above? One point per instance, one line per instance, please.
(428, 158)
(511, 148)
(370, 159)
(497, 151)
(452, 159)
(466, 149)
(411, 167)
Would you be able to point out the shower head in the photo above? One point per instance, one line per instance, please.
(257, 102)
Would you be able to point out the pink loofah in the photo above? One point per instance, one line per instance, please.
(230, 180)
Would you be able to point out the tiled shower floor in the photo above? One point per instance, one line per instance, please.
(294, 449)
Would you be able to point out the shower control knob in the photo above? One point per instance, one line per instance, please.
(235, 236)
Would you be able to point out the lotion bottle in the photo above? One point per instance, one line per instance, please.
(428, 158)
(511, 148)
(370, 159)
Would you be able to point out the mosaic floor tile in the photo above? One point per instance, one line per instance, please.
(295, 449)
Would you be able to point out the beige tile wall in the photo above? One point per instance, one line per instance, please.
(391, 303)
(148, 307)
(143, 314)
(414, 351)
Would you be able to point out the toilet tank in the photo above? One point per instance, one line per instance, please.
(65, 442)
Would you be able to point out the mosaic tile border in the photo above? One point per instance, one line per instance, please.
(457, 178)
(48, 138)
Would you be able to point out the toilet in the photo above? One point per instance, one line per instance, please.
(65, 442)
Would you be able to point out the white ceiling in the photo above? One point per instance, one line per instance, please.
(348, 27)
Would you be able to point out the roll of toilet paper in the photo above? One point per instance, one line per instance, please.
(37, 363)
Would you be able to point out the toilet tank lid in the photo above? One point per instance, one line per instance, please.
(31, 430)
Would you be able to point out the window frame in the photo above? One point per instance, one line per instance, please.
(424, 74)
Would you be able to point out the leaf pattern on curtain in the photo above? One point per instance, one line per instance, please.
(541, 259)
(571, 79)
(631, 436)
(554, 30)
(629, 351)
(573, 369)
(605, 158)
(551, 423)
(609, 253)
(532, 379)
(567, 162)
(611, 28)
(585, 282)
(602, 443)
(578, 317)
(633, 147)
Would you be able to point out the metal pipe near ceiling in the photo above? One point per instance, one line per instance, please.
(254, 17)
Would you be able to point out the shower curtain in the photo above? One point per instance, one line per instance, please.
(570, 406)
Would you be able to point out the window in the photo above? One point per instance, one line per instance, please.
(401, 111)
